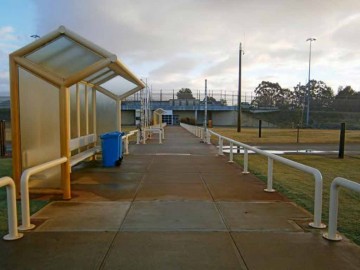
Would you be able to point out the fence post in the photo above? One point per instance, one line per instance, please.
(298, 134)
(270, 176)
(260, 128)
(342, 141)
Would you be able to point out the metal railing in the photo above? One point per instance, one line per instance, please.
(125, 140)
(24, 185)
(271, 157)
(11, 208)
(333, 206)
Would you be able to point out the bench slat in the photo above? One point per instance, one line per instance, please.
(82, 141)
(84, 155)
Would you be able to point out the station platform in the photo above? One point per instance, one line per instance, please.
(176, 205)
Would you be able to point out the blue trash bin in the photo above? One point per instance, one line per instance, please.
(111, 144)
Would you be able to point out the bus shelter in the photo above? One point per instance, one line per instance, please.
(64, 90)
(157, 116)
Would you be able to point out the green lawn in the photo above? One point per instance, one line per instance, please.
(299, 186)
(285, 136)
(35, 205)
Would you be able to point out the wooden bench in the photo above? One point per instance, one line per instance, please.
(77, 143)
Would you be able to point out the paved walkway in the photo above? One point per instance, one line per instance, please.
(173, 206)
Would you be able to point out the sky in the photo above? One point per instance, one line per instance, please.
(180, 43)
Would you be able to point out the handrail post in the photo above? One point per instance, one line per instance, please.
(231, 155)
(334, 204)
(220, 152)
(160, 136)
(24, 181)
(316, 173)
(208, 137)
(270, 176)
(333, 213)
(246, 161)
(318, 202)
(126, 144)
(138, 137)
(11, 208)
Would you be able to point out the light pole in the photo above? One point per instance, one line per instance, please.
(308, 90)
(241, 52)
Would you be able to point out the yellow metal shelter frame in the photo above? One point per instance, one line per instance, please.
(63, 59)
(157, 116)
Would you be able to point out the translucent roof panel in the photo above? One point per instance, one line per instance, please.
(63, 56)
(119, 85)
(102, 77)
(97, 74)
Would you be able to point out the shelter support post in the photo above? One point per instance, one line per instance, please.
(86, 110)
(93, 99)
(15, 123)
(118, 115)
(65, 140)
(78, 117)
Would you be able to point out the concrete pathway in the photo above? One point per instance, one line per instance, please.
(173, 206)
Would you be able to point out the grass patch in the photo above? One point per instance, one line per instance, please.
(35, 205)
(286, 136)
(299, 186)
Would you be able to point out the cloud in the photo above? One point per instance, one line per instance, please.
(180, 43)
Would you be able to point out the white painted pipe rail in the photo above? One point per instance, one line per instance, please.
(334, 202)
(11, 208)
(315, 172)
(271, 157)
(24, 184)
(125, 140)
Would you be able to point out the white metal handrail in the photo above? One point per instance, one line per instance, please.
(24, 184)
(333, 205)
(11, 208)
(271, 157)
(197, 131)
(125, 140)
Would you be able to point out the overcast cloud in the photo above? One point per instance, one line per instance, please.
(180, 43)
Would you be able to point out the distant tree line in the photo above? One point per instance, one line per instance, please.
(322, 98)
(186, 93)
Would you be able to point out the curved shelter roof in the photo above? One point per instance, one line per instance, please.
(63, 58)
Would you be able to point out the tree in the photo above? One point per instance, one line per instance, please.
(184, 93)
(347, 100)
(270, 94)
(321, 95)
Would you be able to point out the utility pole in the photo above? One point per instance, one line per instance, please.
(239, 92)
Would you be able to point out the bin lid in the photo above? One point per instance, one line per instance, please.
(111, 135)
